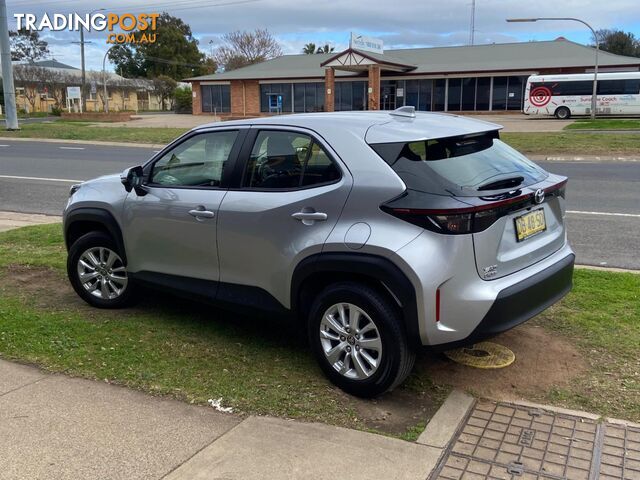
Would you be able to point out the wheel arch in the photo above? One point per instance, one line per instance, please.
(320, 270)
(83, 220)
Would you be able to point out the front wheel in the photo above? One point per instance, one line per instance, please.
(97, 273)
(563, 113)
(358, 339)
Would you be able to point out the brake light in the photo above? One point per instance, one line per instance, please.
(465, 220)
(437, 305)
(445, 221)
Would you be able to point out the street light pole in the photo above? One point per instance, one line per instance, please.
(11, 116)
(594, 95)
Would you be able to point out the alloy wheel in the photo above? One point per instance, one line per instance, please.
(351, 341)
(102, 273)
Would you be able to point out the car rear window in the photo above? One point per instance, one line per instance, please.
(458, 165)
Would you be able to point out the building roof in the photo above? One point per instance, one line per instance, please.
(53, 63)
(527, 56)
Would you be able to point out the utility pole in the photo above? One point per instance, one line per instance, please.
(472, 26)
(84, 73)
(11, 116)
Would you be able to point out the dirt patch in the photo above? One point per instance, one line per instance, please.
(543, 361)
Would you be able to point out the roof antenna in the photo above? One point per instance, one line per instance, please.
(406, 111)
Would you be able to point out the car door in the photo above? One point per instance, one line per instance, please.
(171, 229)
(290, 193)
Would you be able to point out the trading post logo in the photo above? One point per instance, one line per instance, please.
(124, 28)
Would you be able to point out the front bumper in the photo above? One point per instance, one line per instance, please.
(520, 302)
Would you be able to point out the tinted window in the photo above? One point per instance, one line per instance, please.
(457, 165)
(287, 160)
(581, 87)
(196, 162)
(619, 87)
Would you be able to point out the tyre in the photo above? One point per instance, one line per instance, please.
(563, 113)
(358, 338)
(97, 272)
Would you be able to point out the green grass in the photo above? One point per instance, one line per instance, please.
(574, 143)
(605, 124)
(194, 352)
(602, 316)
(166, 345)
(91, 131)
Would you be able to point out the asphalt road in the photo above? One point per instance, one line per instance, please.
(603, 198)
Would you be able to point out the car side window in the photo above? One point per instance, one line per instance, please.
(196, 162)
(286, 160)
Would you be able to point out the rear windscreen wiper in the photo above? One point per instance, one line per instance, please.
(503, 183)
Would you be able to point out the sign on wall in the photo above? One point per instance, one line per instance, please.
(369, 44)
(73, 92)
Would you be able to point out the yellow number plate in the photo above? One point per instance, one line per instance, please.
(530, 224)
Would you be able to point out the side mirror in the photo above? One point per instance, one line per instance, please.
(132, 178)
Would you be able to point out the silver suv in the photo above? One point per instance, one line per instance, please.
(378, 232)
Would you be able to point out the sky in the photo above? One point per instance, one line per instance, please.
(399, 23)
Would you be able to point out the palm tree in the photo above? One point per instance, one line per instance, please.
(325, 49)
(309, 49)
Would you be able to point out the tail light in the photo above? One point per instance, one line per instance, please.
(445, 221)
(472, 219)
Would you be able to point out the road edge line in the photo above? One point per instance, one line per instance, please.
(104, 143)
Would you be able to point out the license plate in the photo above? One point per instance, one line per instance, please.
(530, 224)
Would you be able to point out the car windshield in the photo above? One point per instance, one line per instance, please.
(462, 166)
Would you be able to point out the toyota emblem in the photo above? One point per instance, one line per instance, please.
(538, 197)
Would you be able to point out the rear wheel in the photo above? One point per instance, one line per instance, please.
(97, 272)
(358, 339)
(563, 113)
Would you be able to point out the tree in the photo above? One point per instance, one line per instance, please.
(241, 48)
(33, 81)
(163, 88)
(183, 100)
(618, 42)
(174, 54)
(309, 49)
(325, 49)
(27, 46)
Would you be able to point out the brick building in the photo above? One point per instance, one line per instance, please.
(469, 78)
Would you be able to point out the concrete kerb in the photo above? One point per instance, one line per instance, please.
(156, 146)
(445, 423)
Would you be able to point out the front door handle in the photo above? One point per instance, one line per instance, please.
(200, 213)
(308, 218)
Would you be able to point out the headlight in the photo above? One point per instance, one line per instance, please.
(74, 188)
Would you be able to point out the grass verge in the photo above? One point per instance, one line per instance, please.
(169, 346)
(602, 316)
(574, 143)
(194, 352)
(90, 132)
(604, 124)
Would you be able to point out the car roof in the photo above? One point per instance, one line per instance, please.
(374, 126)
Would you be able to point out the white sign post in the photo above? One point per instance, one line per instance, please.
(369, 44)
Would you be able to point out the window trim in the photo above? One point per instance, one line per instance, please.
(249, 141)
(227, 172)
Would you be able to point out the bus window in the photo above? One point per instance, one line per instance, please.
(629, 86)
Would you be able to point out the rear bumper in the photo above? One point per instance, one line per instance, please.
(520, 302)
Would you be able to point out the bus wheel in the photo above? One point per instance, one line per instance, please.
(563, 113)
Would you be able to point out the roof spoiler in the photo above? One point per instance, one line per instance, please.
(406, 111)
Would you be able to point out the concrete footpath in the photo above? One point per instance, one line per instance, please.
(53, 426)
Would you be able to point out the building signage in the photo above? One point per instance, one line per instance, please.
(73, 92)
(369, 44)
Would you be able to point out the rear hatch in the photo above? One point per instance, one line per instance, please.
(476, 184)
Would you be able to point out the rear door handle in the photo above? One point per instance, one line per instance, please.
(308, 218)
(201, 213)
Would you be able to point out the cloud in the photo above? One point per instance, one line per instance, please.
(401, 23)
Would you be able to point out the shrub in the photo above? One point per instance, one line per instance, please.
(183, 100)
